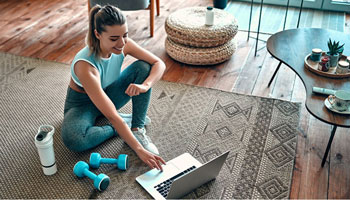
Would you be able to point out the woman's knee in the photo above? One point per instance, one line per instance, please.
(73, 137)
(143, 67)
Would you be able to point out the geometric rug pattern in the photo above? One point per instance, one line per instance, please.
(13, 68)
(261, 134)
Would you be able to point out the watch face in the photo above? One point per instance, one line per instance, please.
(41, 135)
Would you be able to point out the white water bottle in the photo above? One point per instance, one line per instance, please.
(209, 16)
(44, 143)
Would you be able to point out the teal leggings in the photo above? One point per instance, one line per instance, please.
(79, 132)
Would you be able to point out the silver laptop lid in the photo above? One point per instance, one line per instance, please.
(197, 177)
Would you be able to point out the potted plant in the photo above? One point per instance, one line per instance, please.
(334, 51)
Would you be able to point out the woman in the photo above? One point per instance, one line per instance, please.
(98, 87)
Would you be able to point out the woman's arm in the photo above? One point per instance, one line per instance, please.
(158, 66)
(90, 79)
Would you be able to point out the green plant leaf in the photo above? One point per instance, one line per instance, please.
(329, 43)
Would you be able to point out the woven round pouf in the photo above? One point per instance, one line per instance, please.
(200, 55)
(187, 26)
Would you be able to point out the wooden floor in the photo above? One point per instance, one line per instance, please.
(55, 30)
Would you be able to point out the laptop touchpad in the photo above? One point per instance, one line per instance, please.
(156, 175)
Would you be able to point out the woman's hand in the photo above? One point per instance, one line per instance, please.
(136, 89)
(153, 161)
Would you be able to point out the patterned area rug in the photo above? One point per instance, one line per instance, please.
(259, 132)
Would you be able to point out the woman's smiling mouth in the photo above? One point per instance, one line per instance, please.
(118, 49)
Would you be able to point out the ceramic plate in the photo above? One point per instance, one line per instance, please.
(328, 105)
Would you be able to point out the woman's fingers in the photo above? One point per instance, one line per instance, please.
(132, 90)
(159, 164)
(150, 165)
(129, 91)
(160, 159)
(155, 164)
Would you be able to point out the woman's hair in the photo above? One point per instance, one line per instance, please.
(99, 18)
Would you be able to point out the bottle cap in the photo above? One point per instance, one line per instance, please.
(44, 137)
(316, 50)
(41, 135)
(209, 8)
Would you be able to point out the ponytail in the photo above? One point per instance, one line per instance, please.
(99, 18)
(91, 39)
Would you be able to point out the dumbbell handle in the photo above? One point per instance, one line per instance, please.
(89, 174)
(109, 160)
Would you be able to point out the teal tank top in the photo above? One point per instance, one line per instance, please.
(109, 68)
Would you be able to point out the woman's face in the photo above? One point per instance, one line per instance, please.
(113, 39)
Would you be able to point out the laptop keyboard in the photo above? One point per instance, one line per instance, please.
(164, 187)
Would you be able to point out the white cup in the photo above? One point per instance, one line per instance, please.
(340, 101)
(342, 67)
(44, 143)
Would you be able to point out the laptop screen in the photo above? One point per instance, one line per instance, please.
(203, 174)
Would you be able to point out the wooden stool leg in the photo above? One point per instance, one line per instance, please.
(158, 7)
(151, 17)
(89, 7)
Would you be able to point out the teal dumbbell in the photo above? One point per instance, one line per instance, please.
(101, 181)
(122, 161)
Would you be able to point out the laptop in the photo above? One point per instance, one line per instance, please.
(180, 176)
